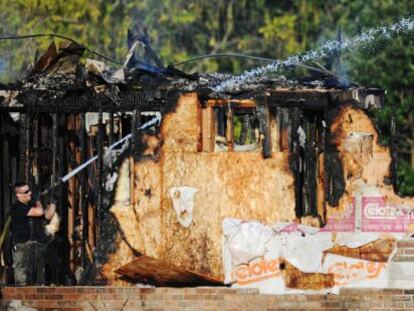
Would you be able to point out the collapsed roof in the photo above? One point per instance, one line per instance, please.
(57, 82)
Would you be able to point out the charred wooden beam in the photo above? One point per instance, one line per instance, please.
(62, 206)
(334, 173)
(35, 165)
(83, 191)
(111, 128)
(24, 147)
(306, 99)
(28, 147)
(296, 158)
(55, 134)
(82, 101)
(72, 187)
(100, 179)
(310, 164)
(136, 123)
(5, 188)
(263, 116)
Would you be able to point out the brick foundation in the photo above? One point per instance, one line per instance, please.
(405, 251)
(202, 298)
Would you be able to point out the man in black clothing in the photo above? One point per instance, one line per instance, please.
(28, 236)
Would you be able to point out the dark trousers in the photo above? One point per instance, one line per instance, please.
(29, 263)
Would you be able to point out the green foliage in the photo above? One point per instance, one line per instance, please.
(405, 178)
(281, 29)
(180, 30)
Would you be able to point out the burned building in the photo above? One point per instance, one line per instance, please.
(151, 208)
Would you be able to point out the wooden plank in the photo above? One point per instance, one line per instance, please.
(100, 177)
(200, 127)
(274, 128)
(208, 132)
(147, 269)
(72, 189)
(83, 191)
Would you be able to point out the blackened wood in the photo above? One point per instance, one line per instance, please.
(28, 148)
(54, 154)
(305, 99)
(310, 165)
(22, 148)
(6, 194)
(62, 204)
(111, 128)
(136, 123)
(83, 190)
(263, 116)
(295, 158)
(101, 212)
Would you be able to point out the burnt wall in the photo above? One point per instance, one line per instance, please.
(227, 184)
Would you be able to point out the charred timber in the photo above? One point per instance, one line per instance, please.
(306, 99)
(263, 116)
(100, 180)
(87, 101)
(334, 179)
(296, 158)
(83, 191)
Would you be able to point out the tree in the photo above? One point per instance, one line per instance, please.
(180, 30)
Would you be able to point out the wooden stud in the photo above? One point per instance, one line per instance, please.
(207, 129)
(83, 190)
(101, 213)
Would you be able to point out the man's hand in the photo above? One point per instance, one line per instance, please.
(50, 211)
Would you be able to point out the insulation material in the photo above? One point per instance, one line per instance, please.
(368, 204)
(183, 202)
(292, 258)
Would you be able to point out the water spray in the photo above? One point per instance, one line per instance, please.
(324, 50)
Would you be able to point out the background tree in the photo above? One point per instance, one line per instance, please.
(180, 30)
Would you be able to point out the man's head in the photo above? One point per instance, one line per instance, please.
(22, 192)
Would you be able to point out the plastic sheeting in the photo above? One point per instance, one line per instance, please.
(183, 202)
(254, 253)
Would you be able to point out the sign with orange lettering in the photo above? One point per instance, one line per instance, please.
(355, 272)
(256, 271)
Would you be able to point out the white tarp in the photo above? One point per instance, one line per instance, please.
(251, 253)
(183, 203)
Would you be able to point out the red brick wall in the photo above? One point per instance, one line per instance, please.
(405, 251)
(202, 298)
